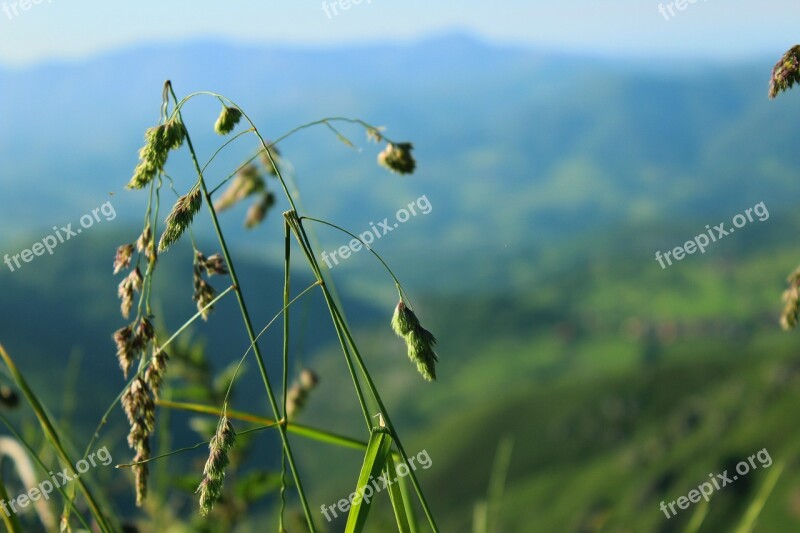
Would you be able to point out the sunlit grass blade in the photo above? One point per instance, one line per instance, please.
(698, 517)
(400, 504)
(757, 505)
(497, 483)
(378, 448)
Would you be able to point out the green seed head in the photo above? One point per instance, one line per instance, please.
(420, 350)
(174, 133)
(227, 120)
(419, 340)
(404, 320)
(152, 157)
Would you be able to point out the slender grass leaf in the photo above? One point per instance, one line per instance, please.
(399, 502)
(378, 449)
(757, 505)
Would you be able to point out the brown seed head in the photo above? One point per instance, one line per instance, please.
(123, 257)
(786, 72)
(180, 218)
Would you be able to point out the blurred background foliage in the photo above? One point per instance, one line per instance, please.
(553, 178)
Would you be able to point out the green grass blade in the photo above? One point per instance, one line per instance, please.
(400, 503)
(410, 509)
(757, 505)
(10, 520)
(698, 517)
(497, 483)
(54, 440)
(378, 448)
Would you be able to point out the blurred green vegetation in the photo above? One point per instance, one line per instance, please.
(622, 384)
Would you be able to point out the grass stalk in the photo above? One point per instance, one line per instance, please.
(292, 427)
(286, 279)
(339, 321)
(248, 324)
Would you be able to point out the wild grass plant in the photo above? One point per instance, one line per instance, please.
(143, 354)
(149, 356)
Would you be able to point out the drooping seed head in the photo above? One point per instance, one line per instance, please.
(791, 299)
(227, 120)
(180, 218)
(174, 133)
(786, 72)
(139, 407)
(123, 257)
(210, 492)
(126, 354)
(404, 320)
(296, 399)
(308, 379)
(420, 350)
(215, 265)
(145, 330)
(210, 488)
(298, 393)
(226, 435)
(258, 211)
(248, 181)
(152, 157)
(419, 341)
(132, 283)
(144, 244)
(154, 375)
(204, 294)
(141, 471)
(398, 158)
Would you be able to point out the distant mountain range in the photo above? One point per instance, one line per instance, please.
(552, 179)
(517, 149)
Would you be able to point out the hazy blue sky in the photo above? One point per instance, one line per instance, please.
(63, 28)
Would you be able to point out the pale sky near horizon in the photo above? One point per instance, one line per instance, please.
(726, 29)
